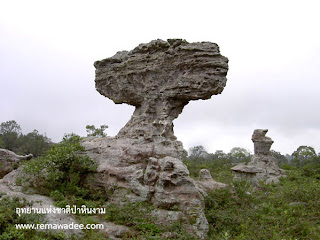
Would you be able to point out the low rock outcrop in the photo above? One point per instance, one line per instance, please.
(9, 160)
(262, 166)
(143, 162)
(206, 183)
(9, 188)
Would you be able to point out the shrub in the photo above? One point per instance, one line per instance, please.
(62, 168)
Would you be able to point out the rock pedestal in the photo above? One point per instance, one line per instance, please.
(263, 166)
(143, 162)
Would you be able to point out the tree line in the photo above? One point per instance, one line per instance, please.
(12, 138)
(302, 156)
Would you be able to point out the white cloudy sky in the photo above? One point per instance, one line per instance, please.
(47, 50)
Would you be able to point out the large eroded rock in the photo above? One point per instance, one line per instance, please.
(262, 166)
(9, 160)
(159, 78)
(131, 170)
(143, 162)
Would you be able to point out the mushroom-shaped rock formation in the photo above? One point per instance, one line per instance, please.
(159, 78)
(143, 162)
(262, 166)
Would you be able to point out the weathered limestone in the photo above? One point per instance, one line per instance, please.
(8, 160)
(135, 171)
(262, 166)
(9, 188)
(114, 231)
(159, 78)
(206, 183)
(143, 162)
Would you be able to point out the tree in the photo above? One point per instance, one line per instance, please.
(303, 155)
(219, 154)
(238, 154)
(34, 143)
(97, 132)
(2, 145)
(9, 133)
(197, 151)
(62, 168)
(280, 158)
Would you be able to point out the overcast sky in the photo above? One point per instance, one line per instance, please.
(47, 51)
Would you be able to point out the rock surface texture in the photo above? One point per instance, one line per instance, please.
(206, 183)
(143, 162)
(8, 160)
(159, 78)
(262, 166)
(9, 188)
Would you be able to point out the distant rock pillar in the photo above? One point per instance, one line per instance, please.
(262, 166)
(262, 143)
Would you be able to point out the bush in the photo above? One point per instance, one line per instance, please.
(62, 168)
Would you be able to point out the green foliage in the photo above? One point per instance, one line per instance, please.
(97, 132)
(304, 155)
(2, 144)
(240, 213)
(8, 219)
(238, 154)
(62, 168)
(197, 151)
(129, 214)
(91, 233)
(312, 170)
(280, 158)
(138, 217)
(11, 138)
(9, 133)
(218, 163)
(219, 167)
(34, 143)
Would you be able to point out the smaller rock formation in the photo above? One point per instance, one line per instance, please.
(262, 166)
(206, 183)
(8, 160)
